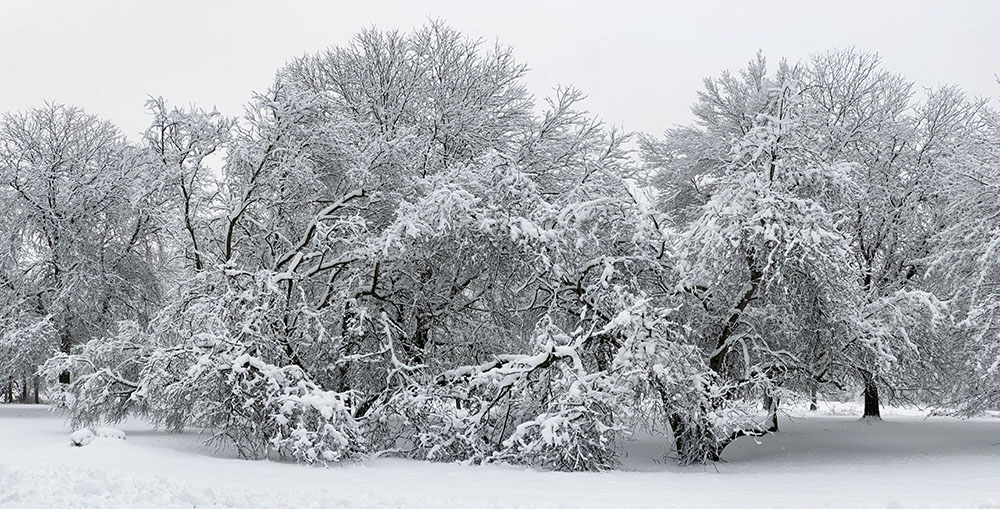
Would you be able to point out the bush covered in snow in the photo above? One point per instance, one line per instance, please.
(202, 376)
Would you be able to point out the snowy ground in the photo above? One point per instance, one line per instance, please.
(826, 459)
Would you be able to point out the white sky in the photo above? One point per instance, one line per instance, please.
(640, 62)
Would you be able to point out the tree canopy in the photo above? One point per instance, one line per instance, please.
(398, 250)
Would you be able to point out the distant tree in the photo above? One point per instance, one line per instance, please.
(965, 269)
(80, 225)
(866, 116)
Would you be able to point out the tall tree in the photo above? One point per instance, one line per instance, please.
(82, 222)
(866, 115)
(965, 269)
(766, 268)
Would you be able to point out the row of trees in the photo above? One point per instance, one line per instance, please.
(397, 251)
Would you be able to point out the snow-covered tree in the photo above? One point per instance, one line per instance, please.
(399, 252)
(79, 229)
(964, 269)
(771, 297)
(396, 251)
(863, 114)
(180, 144)
(833, 165)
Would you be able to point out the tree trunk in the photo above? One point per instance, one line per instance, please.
(771, 405)
(24, 390)
(686, 440)
(65, 346)
(812, 397)
(871, 396)
(677, 428)
(36, 390)
(718, 359)
(10, 390)
(692, 444)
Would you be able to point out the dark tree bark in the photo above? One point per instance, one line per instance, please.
(871, 395)
(689, 450)
(716, 362)
(65, 346)
(812, 398)
(771, 405)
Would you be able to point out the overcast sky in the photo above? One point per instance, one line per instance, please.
(640, 62)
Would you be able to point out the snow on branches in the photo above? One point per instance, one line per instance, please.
(395, 251)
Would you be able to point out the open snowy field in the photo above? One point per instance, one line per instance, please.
(824, 459)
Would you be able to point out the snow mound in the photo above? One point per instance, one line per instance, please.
(84, 436)
(81, 437)
(109, 433)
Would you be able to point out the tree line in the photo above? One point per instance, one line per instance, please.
(398, 250)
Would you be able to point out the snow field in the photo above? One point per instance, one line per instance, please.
(818, 460)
